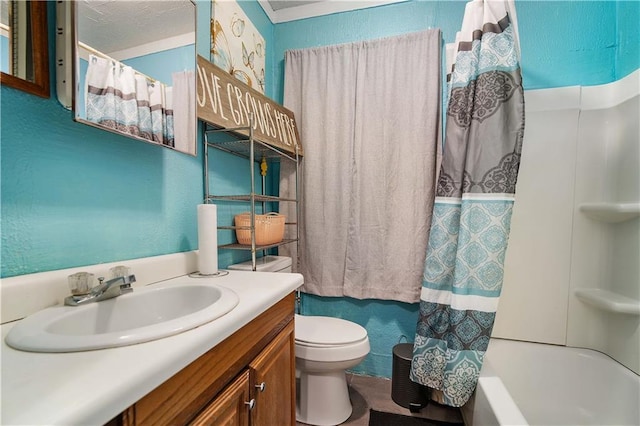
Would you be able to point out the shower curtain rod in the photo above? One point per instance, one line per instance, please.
(104, 55)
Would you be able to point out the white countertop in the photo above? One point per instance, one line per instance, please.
(93, 387)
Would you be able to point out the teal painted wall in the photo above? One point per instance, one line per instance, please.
(73, 195)
(628, 37)
(557, 50)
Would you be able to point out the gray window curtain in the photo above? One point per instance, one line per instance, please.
(369, 119)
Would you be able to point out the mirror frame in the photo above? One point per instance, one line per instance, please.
(40, 85)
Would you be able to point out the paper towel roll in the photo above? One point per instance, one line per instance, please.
(207, 239)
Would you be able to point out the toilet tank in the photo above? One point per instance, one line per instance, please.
(265, 264)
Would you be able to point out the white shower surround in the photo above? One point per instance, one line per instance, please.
(581, 146)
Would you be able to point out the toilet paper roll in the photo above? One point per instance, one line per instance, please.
(207, 239)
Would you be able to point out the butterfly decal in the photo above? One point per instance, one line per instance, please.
(247, 58)
(258, 45)
(221, 54)
(259, 78)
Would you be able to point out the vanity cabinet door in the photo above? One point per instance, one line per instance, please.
(231, 407)
(273, 379)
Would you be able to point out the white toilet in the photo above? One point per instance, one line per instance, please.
(325, 348)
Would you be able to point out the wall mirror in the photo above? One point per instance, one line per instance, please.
(24, 50)
(134, 69)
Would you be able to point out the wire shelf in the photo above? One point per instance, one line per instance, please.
(236, 246)
(258, 198)
(241, 147)
(240, 142)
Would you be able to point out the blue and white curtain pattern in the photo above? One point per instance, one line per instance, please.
(472, 213)
(121, 99)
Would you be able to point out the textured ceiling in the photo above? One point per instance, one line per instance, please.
(290, 10)
(117, 25)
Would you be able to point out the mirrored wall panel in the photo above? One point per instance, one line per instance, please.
(135, 69)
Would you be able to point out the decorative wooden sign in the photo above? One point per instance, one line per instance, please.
(226, 102)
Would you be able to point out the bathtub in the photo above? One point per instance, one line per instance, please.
(525, 383)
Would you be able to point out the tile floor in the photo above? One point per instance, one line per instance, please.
(375, 392)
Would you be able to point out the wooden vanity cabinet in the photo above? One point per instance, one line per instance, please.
(246, 380)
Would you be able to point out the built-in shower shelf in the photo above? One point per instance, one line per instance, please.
(609, 301)
(611, 212)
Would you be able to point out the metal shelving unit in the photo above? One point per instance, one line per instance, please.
(233, 141)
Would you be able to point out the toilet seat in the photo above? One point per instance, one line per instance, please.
(320, 331)
(327, 339)
(325, 346)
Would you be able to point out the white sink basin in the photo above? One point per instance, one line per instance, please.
(148, 313)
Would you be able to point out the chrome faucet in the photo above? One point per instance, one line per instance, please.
(105, 290)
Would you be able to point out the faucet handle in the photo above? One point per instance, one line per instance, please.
(119, 271)
(80, 283)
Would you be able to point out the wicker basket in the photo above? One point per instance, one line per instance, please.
(269, 228)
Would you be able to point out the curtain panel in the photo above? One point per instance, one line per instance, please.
(369, 115)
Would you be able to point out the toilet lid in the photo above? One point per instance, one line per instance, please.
(327, 330)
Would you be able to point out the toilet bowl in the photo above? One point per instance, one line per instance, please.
(325, 347)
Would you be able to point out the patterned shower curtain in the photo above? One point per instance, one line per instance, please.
(119, 98)
(472, 213)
